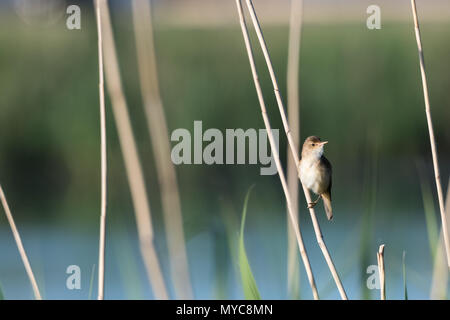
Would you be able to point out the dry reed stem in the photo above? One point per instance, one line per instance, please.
(101, 253)
(440, 271)
(275, 154)
(20, 247)
(131, 158)
(157, 125)
(318, 232)
(295, 26)
(431, 133)
(380, 259)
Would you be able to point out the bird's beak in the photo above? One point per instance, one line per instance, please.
(323, 142)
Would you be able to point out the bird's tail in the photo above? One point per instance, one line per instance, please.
(327, 204)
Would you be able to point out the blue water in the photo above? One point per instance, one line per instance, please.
(52, 250)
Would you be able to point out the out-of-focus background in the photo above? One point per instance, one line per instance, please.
(359, 88)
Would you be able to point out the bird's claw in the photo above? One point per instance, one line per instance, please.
(311, 205)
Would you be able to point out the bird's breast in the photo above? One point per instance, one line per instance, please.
(311, 176)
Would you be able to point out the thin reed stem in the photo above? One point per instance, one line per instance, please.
(275, 154)
(101, 253)
(431, 133)
(380, 259)
(131, 158)
(295, 26)
(294, 152)
(20, 247)
(157, 125)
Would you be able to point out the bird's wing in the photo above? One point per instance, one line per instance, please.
(328, 166)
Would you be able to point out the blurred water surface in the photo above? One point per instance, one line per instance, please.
(52, 250)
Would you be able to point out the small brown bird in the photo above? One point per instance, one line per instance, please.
(315, 172)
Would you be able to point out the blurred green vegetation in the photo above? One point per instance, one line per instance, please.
(360, 89)
(248, 282)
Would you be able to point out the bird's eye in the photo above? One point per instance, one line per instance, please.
(313, 144)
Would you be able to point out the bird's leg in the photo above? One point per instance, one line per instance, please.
(313, 204)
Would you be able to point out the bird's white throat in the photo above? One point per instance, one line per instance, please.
(314, 154)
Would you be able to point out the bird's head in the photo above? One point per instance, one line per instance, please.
(313, 146)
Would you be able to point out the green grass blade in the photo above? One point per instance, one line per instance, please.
(248, 281)
(430, 212)
(91, 282)
(405, 289)
(2, 296)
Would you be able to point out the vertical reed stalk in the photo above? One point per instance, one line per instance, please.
(101, 253)
(275, 154)
(405, 287)
(131, 157)
(157, 125)
(380, 259)
(19, 244)
(295, 26)
(431, 133)
(318, 232)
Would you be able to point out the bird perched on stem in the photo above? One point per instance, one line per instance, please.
(315, 172)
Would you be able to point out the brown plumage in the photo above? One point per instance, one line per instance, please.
(315, 172)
